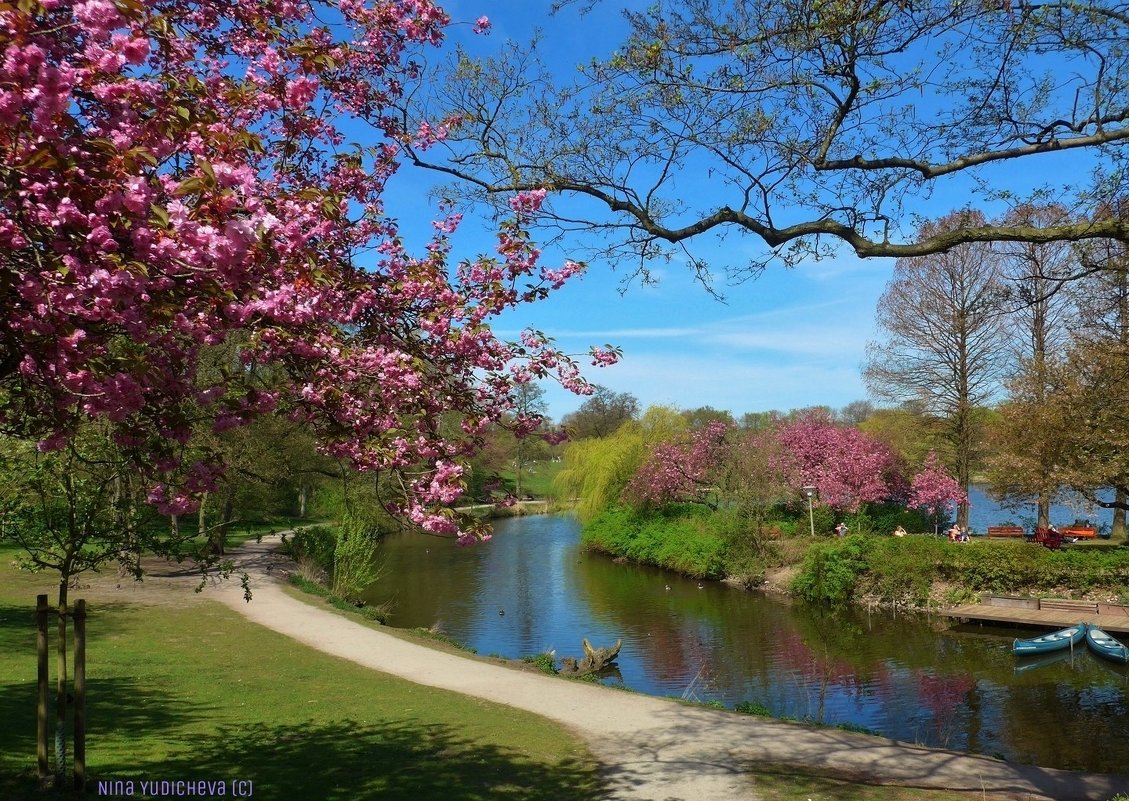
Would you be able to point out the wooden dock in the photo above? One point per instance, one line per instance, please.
(1051, 613)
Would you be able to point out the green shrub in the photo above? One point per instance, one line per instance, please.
(831, 571)
(680, 538)
(902, 570)
(354, 564)
(545, 662)
(753, 708)
(314, 542)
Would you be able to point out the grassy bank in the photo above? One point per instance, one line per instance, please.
(914, 571)
(683, 538)
(923, 570)
(194, 692)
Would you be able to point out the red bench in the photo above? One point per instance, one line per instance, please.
(1048, 538)
(1006, 531)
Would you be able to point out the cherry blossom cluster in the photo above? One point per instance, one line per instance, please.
(177, 176)
(934, 489)
(682, 471)
(847, 467)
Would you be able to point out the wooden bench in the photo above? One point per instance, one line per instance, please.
(1067, 605)
(1006, 531)
(1048, 538)
(1081, 532)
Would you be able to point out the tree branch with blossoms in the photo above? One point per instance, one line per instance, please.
(177, 174)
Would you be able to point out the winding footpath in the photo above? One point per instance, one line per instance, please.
(650, 748)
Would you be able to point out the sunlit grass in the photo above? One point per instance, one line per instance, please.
(198, 693)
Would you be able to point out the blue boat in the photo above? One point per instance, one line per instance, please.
(1055, 641)
(1105, 646)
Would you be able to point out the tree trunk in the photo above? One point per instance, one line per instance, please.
(202, 517)
(217, 539)
(1044, 513)
(1119, 528)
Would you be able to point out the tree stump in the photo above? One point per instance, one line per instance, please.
(595, 659)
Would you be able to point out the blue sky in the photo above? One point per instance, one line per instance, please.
(789, 339)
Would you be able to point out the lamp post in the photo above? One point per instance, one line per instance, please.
(810, 492)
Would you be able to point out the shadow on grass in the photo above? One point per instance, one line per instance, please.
(121, 713)
(356, 761)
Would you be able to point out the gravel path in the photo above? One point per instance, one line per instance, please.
(651, 748)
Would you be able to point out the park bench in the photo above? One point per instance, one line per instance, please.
(1006, 531)
(1080, 532)
(1067, 605)
(1048, 538)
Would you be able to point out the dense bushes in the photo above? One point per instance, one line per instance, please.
(681, 538)
(831, 570)
(347, 556)
(316, 543)
(906, 570)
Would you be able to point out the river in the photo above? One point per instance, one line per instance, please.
(918, 679)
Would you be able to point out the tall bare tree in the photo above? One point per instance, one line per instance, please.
(943, 341)
(601, 414)
(1026, 453)
(802, 123)
(1103, 315)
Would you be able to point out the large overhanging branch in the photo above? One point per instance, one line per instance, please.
(825, 124)
(775, 237)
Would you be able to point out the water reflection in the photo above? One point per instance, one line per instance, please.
(531, 589)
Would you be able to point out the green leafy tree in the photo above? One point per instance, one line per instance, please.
(1103, 303)
(601, 414)
(71, 511)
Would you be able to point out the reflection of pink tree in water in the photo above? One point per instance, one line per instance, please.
(943, 696)
(819, 672)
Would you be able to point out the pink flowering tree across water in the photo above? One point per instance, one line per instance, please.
(176, 174)
(687, 471)
(847, 467)
(934, 489)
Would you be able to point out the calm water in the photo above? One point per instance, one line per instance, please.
(532, 589)
(984, 512)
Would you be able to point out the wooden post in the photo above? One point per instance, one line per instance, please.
(41, 611)
(80, 696)
(61, 689)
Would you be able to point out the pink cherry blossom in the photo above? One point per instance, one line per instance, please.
(179, 174)
(846, 467)
(934, 489)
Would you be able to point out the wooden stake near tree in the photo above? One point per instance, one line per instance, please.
(61, 696)
(41, 610)
(80, 695)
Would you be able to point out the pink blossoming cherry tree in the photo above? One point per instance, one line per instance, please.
(179, 175)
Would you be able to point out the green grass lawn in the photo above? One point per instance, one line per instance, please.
(536, 479)
(197, 693)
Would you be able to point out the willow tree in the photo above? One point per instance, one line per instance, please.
(598, 469)
(804, 124)
(943, 341)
